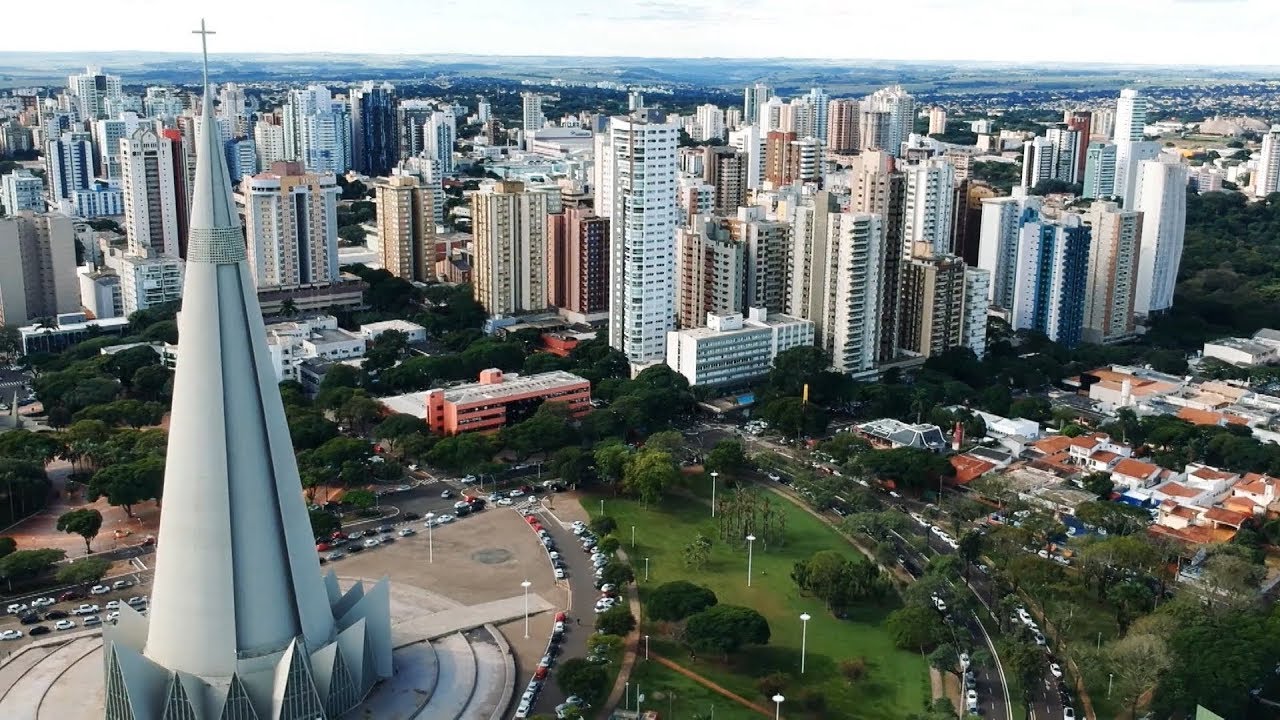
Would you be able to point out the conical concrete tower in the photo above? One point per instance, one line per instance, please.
(242, 624)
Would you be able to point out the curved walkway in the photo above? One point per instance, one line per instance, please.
(633, 644)
(709, 685)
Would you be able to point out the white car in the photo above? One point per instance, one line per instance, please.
(918, 518)
(515, 493)
(92, 620)
(607, 588)
(99, 590)
(446, 494)
(10, 635)
(407, 532)
(503, 502)
(964, 661)
(522, 711)
(1055, 669)
(64, 625)
(1068, 714)
(372, 542)
(113, 605)
(121, 584)
(85, 609)
(971, 699)
(112, 617)
(42, 602)
(559, 627)
(16, 608)
(1039, 639)
(560, 574)
(445, 519)
(774, 476)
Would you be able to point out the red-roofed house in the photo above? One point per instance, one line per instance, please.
(1135, 474)
(968, 468)
(1209, 417)
(1263, 491)
(1203, 498)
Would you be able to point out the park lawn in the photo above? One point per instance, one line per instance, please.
(674, 695)
(896, 683)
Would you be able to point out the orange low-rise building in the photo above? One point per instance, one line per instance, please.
(499, 400)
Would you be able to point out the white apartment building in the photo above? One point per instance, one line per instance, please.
(268, 142)
(68, 165)
(928, 206)
(977, 293)
(733, 350)
(440, 133)
(107, 135)
(162, 103)
(894, 111)
(317, 130)
(96, 201)
(21, 190)
(146, 281)
(1131, 116)
(752, 99)
(150, 193)
(532, 116)
(291, 225)
(1267, 176)
(1099, 170)
(413, 332)
(851, 293)
(1002, 221)
(820, 100)
(749, 140)
(291, 343)
(637, 192)
(509, 249)
(91, 90)
(1162, 200)
(710, 123)
(1130, 155)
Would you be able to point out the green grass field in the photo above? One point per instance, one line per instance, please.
(896, 683)
(676, 696)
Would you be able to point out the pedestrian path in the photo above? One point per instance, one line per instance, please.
(709, 685)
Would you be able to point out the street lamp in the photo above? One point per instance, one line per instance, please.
(431, 545)
(646, 569)
(1111, 678)
(804, 635)
(646, 647)
(751, 540)
(633, 536)
(626, 696)
(602, 507)
(526, 585)
(714, 475)
(777, 705)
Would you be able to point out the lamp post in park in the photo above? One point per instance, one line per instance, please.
(714, 475)
(526, 585)
(777, 706)
(804, 636)
(751, 541)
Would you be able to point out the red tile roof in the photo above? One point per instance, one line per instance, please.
(1225, 516)
(1208, 417)
(968, 467)
(1053, 444)
(1178, 490)
(1135, 468)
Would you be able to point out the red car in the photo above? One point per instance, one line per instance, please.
(561, 617)
(536, 527)
(540, 673)
(526, 489)
(531, 520)
(69, 595)
(338, 535)
(322, 547)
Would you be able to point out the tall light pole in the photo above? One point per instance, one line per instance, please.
(602, 507)
(1111, 678)
(633, 536)
(804, 636)
(431, 544)
(714, 475)
(777, 706)
(646, 569)
(646, 647)
(751, 541)
(626, 696)
(526, 585)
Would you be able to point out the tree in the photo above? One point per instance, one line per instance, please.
(549, 428)
(151, 382)
(678, 600)
(838, 581)
(611, 461)
(609, 545)
(970, 548)
(571, 464)
(727, 458)
(604, 525)
(1130, 598)
(323, 524)
(85, 522)
(726, 629)
(399, 425)
(84, 571)
(361, 499)
(309, 430)
(127, 484)
(1098, 483)
(617, 620)
(618, 573)
(667, 441)
(698, 553)
(853, 669)
(648, 474)
(793, 417)
(915, 627)
(28, 563)
(1024, 661)
(1115, 518)
(7, 545)
(944, 658)
(578, 677)
(1138, 660)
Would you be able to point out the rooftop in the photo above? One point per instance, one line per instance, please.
(1135, 468)
(511, 384)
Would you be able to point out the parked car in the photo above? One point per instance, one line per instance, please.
(64, 625)
(11, 635)
(407, 532)
(42, 602)
(70, 595)
(39, 630)
(1055, 669)
(85, 609)
(56, 615)
(92, 620)
(411, 516)
(335, 555)
(121, 584)
(16, 608)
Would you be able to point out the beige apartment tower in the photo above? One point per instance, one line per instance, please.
(1113, 267)
(509, 245)
(842, 125)
(931, 307)
(406, 228)
(37, 267)
(291, 224)
(725, 169)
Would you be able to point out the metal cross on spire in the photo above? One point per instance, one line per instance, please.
(204, 48)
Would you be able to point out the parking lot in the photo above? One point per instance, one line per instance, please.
(138, 585)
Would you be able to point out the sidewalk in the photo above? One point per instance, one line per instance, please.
(629, 655)
(710, 685)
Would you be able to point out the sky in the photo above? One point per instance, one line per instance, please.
(1161, 32)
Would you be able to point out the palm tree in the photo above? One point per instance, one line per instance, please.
(288, 308)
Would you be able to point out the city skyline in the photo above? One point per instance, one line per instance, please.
(1172, 32)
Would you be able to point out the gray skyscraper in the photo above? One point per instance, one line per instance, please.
(375, 145)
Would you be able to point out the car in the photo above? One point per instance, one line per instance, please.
(576, 701)
(522, 710)
(64, 625)
(322, 547)
(10, 635)
(918, 518)
(355, 535)
(56, 615)
(607, 587)
(85, 609)
(460, 504)
(411, 516)
(446, 493)
(445, 519)
(463, 511)
(42, 602)
(971, 700)
(407, 532)
(469, 479)
(561, 616)
(92, 620)
(113, 605)
(372, 542)
(516, 493)
(384, 529)
(560, 573)
(545, 661)
(1068, 714)
(540, 673)
(599, 573)
(1039, 639)
(121, 584)
(504, 502)
(30, 618)
(356, 548)
(39, 630)
(335, 555)
(964, 661)
(338, 535)
(969, 681)
(112, 617)
(774, 476)
(16, 608)
(136, 601)
(1055, 669)
(70, 595)
(559, 626)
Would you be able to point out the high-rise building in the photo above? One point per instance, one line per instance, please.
(767, 258)
(440, 134)
(91, 90)
(842, 125)
(966, 228)
(182, 172)
(268, 140)
(1099, 170)
(749, 141)
(1052, 157)
(732, 351)
(231, 101)
(820, 101)
(753, 99)
(732, 117)
(1002, 221)
(894, 113)
(21, 190)
(1162, 200)
(879, 189)
(242, 158)
(68, 165)
(375, 145)
(1267, 177)
(1102, 123)
(1082, 122)
(234, 510)
(1113, 269)
(427, 172)
(928, 206)
(37, 267)
(106, 139)
(145, 281)
(709, 124)
(1129, 159)
(937, 121)
(781, 164)
(774, 114)
(1051, 278)
(578, 264)
(725, 169)
(1131, 116)
(411, 117)
(851, 296)
(807, 279)
(977, 293)
(406, 227)
(931, 303)
(509, 249)
(637, 193)
(151, 198)
(533, 119)
(163, 103)
(291, 223)
(1066, 157)
(317, 131)
(710, 272)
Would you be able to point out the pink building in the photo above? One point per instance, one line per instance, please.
(499, 400)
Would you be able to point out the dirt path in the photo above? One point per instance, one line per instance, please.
(710, 685)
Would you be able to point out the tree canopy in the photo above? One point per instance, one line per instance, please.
(725, 629)
(85, 522)
(678, 600)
